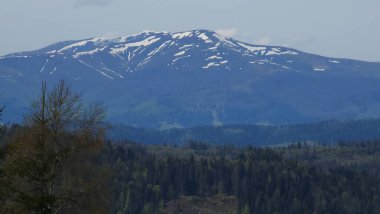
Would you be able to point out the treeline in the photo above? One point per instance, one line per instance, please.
(262, 180)
(59, 161)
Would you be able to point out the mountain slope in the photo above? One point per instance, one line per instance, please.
(161, 79)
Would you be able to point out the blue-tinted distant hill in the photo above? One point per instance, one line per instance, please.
(326, 132)
(195, 78)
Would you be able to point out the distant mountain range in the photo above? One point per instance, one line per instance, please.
(165, 80)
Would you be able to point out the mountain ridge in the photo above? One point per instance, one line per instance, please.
(192, 78)
(126, 47)
(166, 33)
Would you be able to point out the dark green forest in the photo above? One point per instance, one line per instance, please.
(297, 179)
(60, 161)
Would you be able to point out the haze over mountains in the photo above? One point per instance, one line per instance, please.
(195, 78)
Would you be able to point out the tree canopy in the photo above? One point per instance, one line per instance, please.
(49, 163)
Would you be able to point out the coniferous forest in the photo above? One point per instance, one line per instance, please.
(59, 161)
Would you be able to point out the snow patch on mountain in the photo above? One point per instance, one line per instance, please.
(186, 46)
(278, 51)
(180, 53)
(76, 55)
(214, 57)
(334, 61)
(289, 52)
(252, 48)
(182, 35)
(260, 62)
(272, 52)
(211, 64)
(143, 43)
(96, 69)
(319, 69)
(205, 38)
(44, 65)
(225, 40)
(51, 72)
(82, 43)
(163, 45)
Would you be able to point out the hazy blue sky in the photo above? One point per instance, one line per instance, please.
(337, 28)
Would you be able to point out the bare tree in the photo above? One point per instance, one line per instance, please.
(1, 110)
(1, 114)
(50, 166)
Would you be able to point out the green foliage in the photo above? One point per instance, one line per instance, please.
(246, 209)
(53, 164)
(263, 180)
(49, 164)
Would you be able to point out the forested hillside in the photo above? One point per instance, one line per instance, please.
(297, 179)
(59, 161)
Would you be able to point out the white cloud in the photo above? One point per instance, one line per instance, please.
(81, 3)
(245, 36)
(263, 41)
(110, 35)
(229, 32)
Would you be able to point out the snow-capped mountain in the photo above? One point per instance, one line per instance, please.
(196, 78)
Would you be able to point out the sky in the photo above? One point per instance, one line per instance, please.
(334, 28)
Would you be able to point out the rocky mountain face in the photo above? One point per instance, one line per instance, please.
(195, 78)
